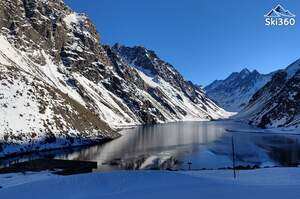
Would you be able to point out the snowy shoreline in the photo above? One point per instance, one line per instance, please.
(85, 143)
(55, 148)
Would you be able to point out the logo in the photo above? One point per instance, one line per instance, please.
(279, 16)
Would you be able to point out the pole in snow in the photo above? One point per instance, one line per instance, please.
(189, 163)
(233, 157)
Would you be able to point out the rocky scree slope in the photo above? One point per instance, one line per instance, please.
(60, 87)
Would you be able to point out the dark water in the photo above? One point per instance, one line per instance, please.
(203, 144)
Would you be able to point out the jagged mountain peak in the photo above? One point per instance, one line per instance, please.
(234, 92)
(148, 61)
(134, 53)
(245, 71)
(135, 47)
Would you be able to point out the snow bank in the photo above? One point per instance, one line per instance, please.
(264, 183)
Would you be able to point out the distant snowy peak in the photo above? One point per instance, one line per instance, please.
(245, 71)
(234, 92)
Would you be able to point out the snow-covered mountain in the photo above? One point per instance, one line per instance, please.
(234, 93)
(60, 87)
(277, 104)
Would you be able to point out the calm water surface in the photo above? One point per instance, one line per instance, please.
(204, 144)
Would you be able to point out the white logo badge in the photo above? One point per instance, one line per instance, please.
(279, 16)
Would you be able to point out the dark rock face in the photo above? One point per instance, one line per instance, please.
(277, 103)
(234, 93)
(283, 108)
(34, 23)
(53, 27)
(147, 60)
(277, 82)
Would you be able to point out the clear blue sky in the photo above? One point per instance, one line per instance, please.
(204, 39)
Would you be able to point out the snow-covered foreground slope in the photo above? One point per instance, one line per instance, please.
(59, 84)
(275, 183)
(234, 93)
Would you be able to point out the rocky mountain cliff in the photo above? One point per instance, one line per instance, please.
(60, 87)
(234, 93)
(277, 103)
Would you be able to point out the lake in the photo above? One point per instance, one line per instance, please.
(200, 145)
